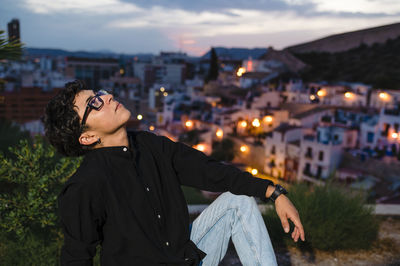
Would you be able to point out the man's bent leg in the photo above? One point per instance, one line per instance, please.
(237, 217)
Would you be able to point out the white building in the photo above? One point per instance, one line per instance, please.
(382, 131)
(318, 160)
(384, 98)
(276, 148)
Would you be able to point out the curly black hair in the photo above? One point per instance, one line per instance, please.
(62, 123)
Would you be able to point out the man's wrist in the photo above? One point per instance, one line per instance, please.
(270, 190)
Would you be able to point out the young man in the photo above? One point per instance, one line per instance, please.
(126, 195)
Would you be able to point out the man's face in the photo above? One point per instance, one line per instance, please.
(106, 121)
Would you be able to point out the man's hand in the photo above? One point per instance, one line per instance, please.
(285, 209)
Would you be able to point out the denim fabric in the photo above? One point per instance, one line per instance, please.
(236, 217)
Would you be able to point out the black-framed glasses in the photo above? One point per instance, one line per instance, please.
(95, 103)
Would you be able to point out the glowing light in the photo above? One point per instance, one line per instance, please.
(256, 122)
(348, 95)
(268, 119)
(312, 97)
(243, 148)
(395, 135)
(240, 71)
(200, 147)
(189, 123)
(139, 117)
(165, 94)
(383, 95)
(219, 133)
(162, 89)
(254, 171)
(321, 93)
(249, 65)
(121, 71)
(243, 124)
(151, 128)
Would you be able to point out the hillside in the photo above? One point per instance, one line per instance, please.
(236, 53)
(377, 65)
(349, 40)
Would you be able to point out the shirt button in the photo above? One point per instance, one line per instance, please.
(167, 243)
(125, 149)
(159, 216)
(148, 189)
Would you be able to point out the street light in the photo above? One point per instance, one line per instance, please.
(219, 133)
(384, 96)
(240, 71)
(139, 117)
(256, 122)
(189, 124)
(348, 95)
(243, 148)
(268, 119)
(200, 147)
(321, 93)
(243, 124)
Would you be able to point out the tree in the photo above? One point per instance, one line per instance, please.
(223, 150)
(11, 50)
(10, 136)
(38, 174)
(214, 67)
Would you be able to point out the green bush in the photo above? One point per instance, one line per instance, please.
(333, 219)
(29, 223)
(33, 250)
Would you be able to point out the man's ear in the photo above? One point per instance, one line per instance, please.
(87, 138)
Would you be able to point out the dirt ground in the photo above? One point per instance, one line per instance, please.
(386, 251)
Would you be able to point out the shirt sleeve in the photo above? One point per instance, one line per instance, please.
(82, 223)
(196, 169)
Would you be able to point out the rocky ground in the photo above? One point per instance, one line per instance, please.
(386, 251)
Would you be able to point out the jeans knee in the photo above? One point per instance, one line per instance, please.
(241, 201)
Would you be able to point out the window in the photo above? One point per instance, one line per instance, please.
(321, 156)
(385, 131)
(319, 171)
(309, 152)
(370, 137)
(307, 169)
(273, 150)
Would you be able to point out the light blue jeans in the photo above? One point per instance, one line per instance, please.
(236, 217)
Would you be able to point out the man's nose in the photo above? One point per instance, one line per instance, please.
(108, 98)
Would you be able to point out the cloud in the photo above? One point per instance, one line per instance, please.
(195, 25)
(79, 6)
(388, 7)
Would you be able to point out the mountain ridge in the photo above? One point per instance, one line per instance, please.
(348, 40)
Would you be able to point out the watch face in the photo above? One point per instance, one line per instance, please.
(281, 189)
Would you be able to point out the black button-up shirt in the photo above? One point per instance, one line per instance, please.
(129, 200)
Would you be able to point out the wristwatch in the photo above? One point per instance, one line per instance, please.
(278, 191)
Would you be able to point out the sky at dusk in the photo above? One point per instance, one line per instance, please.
(151, 26)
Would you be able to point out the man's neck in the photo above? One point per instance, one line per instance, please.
(119, 138)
